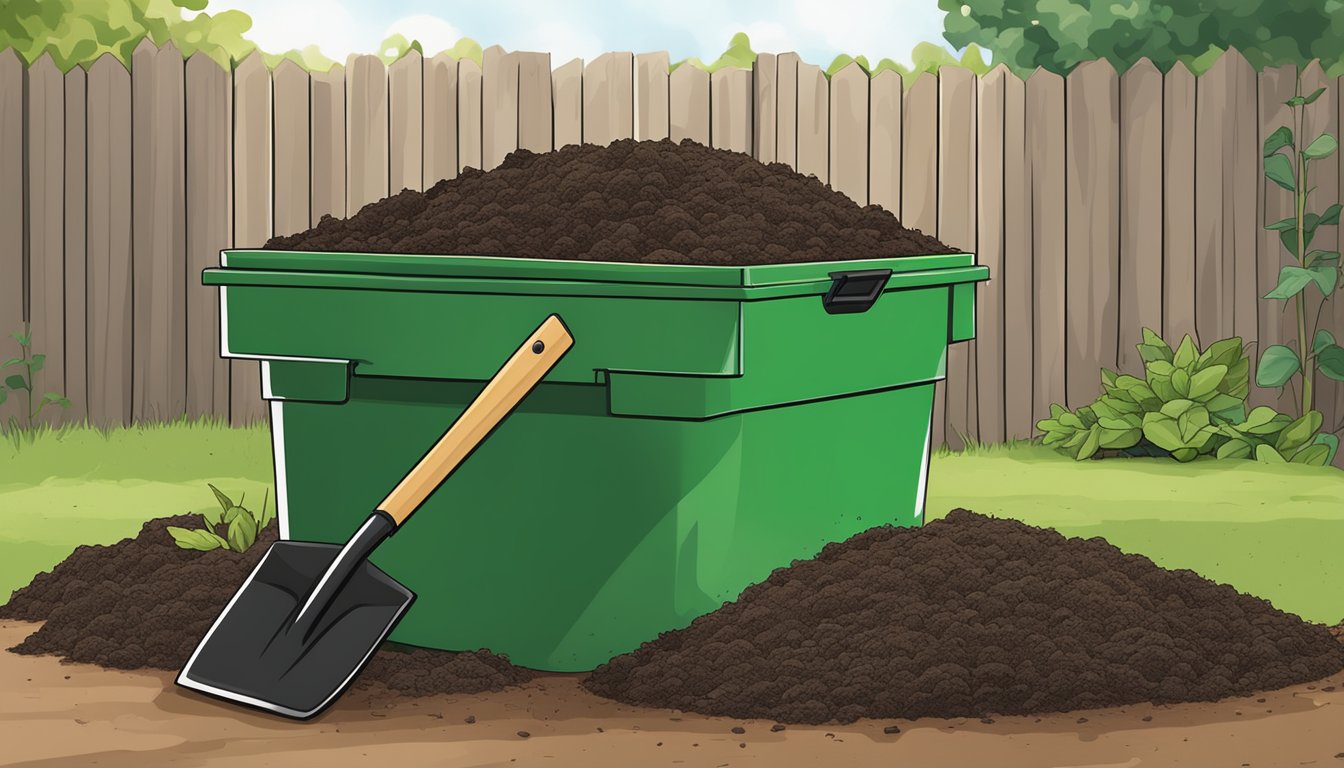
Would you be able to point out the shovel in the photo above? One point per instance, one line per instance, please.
(311, 615)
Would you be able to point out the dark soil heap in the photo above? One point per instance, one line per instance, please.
(145, 603)
(647, 201)
(967, 617)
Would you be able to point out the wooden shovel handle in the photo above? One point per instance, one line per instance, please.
(533, 360)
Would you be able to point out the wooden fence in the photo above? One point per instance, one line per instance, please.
(1101, 203)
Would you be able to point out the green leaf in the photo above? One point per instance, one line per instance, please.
(1330, 361)
(22, 338)
(13, 361)
(16, 382)
(1090, 444)
(1277, 366)
(1227, 408)
(1280, 171)
(1282, 224)
(1289, 239)
(1331, 442)
(197, 539)
(242, 532)
(1236, 448)
(224, 502)
(1206, 382)
(1323, 339)
(1279, 139)
(37, 363)
(1331, 215)
(1312, 455)
(1291, 282)
(1324, 146)
(1263, 420)
(1267, 455)
(1180, 381)
(1153, 347)
(1322, 259)
(1186, 354)
(1298, 433)
(4, 395)
(1316, 94)
(1324, 276)
(233, 512)
(1184, 454)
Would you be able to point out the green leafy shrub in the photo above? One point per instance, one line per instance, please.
(1189, 404)
(240, 524)
(28, 366)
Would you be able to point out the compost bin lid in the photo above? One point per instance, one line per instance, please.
(489, 274)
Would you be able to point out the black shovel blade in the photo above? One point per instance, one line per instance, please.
(255, 655)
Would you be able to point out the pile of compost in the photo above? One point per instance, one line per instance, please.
(967, 617)
(645, 201)
(146, 603)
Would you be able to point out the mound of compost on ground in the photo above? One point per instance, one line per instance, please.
(646, 201)
(967, 617)
(146, 603)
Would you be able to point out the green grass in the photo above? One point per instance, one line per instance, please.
(1271, 531)
(65, 487)
(1274, 531)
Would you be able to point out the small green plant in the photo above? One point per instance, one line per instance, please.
(240, 524)
(1189, 404)
(1289, 167)
(25, 381)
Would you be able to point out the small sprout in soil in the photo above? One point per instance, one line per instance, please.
(241, 526)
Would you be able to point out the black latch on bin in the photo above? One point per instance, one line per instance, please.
(854, 291)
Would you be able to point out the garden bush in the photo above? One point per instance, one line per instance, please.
(1190, 403)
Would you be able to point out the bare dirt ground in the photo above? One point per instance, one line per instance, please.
(55, 714)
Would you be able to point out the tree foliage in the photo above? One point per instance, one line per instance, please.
(79, 31)
(1057, 35)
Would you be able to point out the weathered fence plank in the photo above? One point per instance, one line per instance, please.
(1045, 166)
(1092, 163)
(567, 91)
(76, 261)
(919, 195)
(45, 113)
(1178, 204)
(252, 210)
(1018, 275)
(499, 105)
(534, 102)
(159, 384)
(884, 142)
(208, 140)
(786, 110)
(327, 99)
(608, 98)
(292, 141)
(1216, 135)
(988, 387)
(406, 102)
(109, 243)
(13, 250)
(440, 116)
(849, 132)
(956, 227)
(468, 114)
(1140, 211)
(688, 98)
(814, 107)
(651, 96)
(764, 115)
(730, 109)
(1276, 85)
(366, 157)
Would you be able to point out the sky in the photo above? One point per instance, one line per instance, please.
(816, 29)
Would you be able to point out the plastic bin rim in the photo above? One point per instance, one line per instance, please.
(508, 267)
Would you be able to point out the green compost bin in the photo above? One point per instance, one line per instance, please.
(710, 425)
